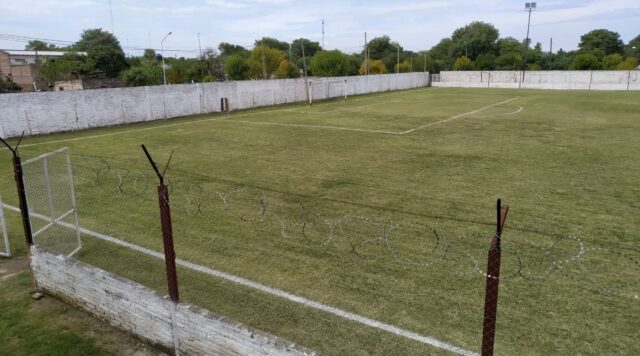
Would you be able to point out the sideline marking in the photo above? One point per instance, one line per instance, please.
(520, 108)
(270, 290)
(458, 116)
(229, 118)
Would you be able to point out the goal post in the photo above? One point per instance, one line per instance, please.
(50, 193)
(327, 89)
(5, 250)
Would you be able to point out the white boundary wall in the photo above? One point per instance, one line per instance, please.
(50, 112)
(577, 80)
(138, 310)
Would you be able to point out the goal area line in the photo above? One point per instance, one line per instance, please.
(266, 289)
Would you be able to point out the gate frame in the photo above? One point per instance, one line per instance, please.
(53, 220)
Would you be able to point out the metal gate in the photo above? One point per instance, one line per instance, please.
(51, 198)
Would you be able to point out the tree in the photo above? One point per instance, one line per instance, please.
(463, 63)
(264, 61)
(237, 67)
(228, 49)
(473, 39)
(509, 45)
(629, 49)
(273, 43)
(330, 64)
(606, 41)
(7, 85)
(441, 55)
(486, 61)
(612, 61)
(106, 60)
(585, 61)
(71, 66)
(287, 69)
(96, 37)
(509, 61)
(149, 54)
(404, 67)
(37, 45)
(310, 48)
(147, 74)
(382, 49)
(376, 66)
(630, 63)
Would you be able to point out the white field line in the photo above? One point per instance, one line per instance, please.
(312, 126)
(458, 116)
(270, 290)
(520, 108)
(373, 131)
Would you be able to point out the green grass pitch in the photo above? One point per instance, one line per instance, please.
(384, 206)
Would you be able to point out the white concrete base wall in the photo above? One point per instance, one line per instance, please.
(50, 112)
(138, 310)
(576, 80)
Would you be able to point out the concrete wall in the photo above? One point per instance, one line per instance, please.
(147, 314)
(578, 80)
(50, 112)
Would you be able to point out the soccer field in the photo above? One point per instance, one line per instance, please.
(382, 206)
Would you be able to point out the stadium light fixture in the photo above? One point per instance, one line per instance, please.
(528, 6)
(397, 46)
(164, 70)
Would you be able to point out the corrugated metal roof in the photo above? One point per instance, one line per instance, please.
(38, 53)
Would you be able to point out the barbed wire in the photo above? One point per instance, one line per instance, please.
(367, 232)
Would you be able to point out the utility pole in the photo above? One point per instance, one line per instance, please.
(366, 55)
(264, 67)
(199, 48)
(306, 80)
(529, 6)
(425, 61)
(323, 35)
(290, 56)
(111, 16)
(397, 46)
(551, 46)
(164, 70)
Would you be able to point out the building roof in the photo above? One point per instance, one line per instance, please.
(13, 52)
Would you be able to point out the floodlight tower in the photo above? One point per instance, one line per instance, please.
(530, 7)
(397, 46)
(164, 70)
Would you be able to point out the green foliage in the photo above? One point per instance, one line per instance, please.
(382, 49)
(404, 67)
(237, 67)
(509, 61)
(70, 66)
(7, 85)
(37, 45)
(330, 64)
(606, 41)
(310, 48)
(228, 49)
(376, 66)
(630, 63)
(629, 49)
(96, 37)
(510, 45)
(264, 61)
(463, 63)
(147, 74)
(149, 54)
(273, 43)
(473, 39)
(208, 78)
(486, 61)
(585, 61)
(612, 61)
(107, 60)
(287, 69)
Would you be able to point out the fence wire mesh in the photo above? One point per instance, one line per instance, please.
(402, 268)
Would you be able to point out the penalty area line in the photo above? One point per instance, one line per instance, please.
(266, 289)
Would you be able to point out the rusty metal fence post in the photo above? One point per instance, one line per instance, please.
(493, 283)
(167, 230)
(22, 195)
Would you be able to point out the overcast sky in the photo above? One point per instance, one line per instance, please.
(417, 25)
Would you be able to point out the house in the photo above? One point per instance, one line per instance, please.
(23, 67)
